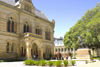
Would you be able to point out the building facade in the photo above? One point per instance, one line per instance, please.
(24, 30)
(59, 47)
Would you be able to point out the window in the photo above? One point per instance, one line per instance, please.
(56, 50)
(27, 8)
(38, 30)
(8, 25)
(26, 27)
(12, 48)
(11, 25)
(47, 35)
(7, 47)
(59, 50)
(62, 50)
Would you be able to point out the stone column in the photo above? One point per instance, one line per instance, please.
(40, 53)
(28, 49)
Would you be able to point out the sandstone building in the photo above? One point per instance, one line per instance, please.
(24, 30)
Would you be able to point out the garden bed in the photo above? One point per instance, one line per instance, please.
(58, 63)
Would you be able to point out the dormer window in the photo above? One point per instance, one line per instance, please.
(27, 8)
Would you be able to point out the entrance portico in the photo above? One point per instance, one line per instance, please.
(33, 48)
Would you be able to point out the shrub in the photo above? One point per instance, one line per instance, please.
(29, 62)
(55, 55)
(43, 62)
(73, 62)
(65, 62)
(53, 62)
(59, 55)
(1, 61)
(50, 63)
(36, 62)
(57, 63)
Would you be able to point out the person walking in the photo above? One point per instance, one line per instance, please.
(62, 58)
(34, 57)
(66, 57)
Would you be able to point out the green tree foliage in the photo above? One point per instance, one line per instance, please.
(88, 27)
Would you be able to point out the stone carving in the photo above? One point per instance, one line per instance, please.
(81, 43)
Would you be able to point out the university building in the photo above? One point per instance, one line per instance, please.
(24, 30)
(59, 47)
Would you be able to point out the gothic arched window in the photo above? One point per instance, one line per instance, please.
(26, 28)
(11, 25)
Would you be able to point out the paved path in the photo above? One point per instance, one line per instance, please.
(94, 64)
(20, 64)
(17, 64)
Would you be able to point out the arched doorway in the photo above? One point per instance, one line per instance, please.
(34, 50)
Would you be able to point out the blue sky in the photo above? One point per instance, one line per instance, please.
(65, 12)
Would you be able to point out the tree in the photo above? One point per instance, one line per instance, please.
(88, 27)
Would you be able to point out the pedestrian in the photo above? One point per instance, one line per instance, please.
(66, 57)
(62, 58)
(34, 57)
